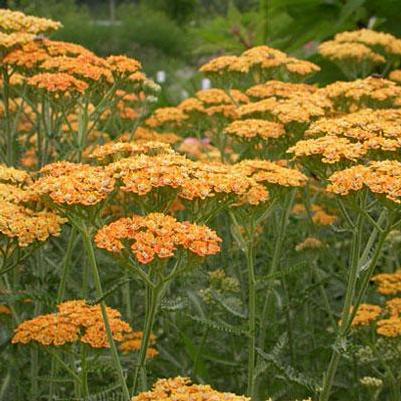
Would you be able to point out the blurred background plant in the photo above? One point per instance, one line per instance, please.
(176, 36)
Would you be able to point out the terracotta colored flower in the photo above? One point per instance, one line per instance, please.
(74, 321)
(181, 388)
(366, 314)
(157, 235)
(58, 83)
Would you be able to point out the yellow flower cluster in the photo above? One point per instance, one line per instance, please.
(57, 83)
(319, 215)
(387, 42)
(74, 184)
(270, 173)
(20, 222)
(349, 52)
(113, 151)
(181, 388)
(166, 116)
(366, 315)
(145, 135)
(74, 321)
(132, 343)
(251, 128)
(330, 148)
(15, 21)
(192, 180)
(279, 89)
(297, 109)
(388, 283)
(308, 244)
(157, 235)
(260, 58)
(369, 92)
(381, 177)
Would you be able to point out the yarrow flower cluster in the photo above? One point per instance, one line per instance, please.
(382, 178)
(75, 321)
(181, 388)
(157, 235)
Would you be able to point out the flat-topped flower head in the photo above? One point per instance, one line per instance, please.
(213, 97)
(329, 149)
(15, 21)
(366, 315)
(369, 92)
(300, 109)
(9, 41)
(27, 226)
(181, 388)
(279, 89)
(381, 178)
(253, 128)
(271, 174)
(147, 135)
(85, 67)
(189, 180)
(113, 151)
(123, 65)
(13, 176)
(157, 235)
(223, 65)
(75, 321)
(388, 283)
(74, 184)
(389, 327)
(57, 83)
(377, 40)
(132, 343)
(361, 125)
(166, 117)
(349, 52)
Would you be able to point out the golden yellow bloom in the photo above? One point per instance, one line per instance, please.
(366, 314)
(15, 21)
(309, 243)
(349, 52)
(26, 225)
(395, 76)
(123, 65)
(132, 343)
(13, 175)
(330, 149)
(321, 217)
(84, 66)
(371, 92)
(143, 134)
(394, 307)
(157, 235)
(279, 89)
(389, 43)
(119, 150)
(226, 64)
(251, 128)
(57, 83)
(388, 283)
(299, 109)
(74, 184)
(74, 321)
(170, 116)
(271, 173)
(381, 177)
(11, 40)
(181, 388)
(213, 97)
(389, 327)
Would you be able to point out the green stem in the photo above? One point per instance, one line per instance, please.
(99, 292)
(346, 312)
(278, 246)
(251, 318)
(152, 302)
